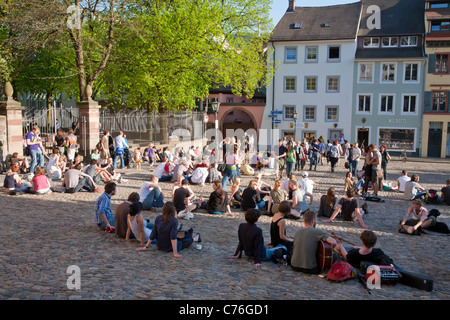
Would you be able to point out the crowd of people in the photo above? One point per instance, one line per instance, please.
(288, 197)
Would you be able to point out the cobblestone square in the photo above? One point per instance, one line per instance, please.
(42, 235)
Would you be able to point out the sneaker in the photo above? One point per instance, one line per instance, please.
(122, 180)
(97, 190)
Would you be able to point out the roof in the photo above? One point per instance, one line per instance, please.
(438, 36)
(438, 14)
(390, 53)
(398, 17)
(342, 19)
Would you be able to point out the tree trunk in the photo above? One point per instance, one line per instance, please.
(164, 132)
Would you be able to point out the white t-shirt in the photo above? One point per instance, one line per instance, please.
(144, 191)
(199, 175)
(307, 184)
(402, 181)
(355, 153)
(159, 171)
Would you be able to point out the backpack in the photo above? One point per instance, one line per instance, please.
(432, 197)
(279, 256)
(334, 152)
(341, 271)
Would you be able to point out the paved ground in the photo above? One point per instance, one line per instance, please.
(41, 236)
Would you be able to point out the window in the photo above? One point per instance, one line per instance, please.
(371, 42)
(290, 55)
(290, 84)
(366, 72)
(441, 64)
(334, 53)
(311, 54)
(332, 113)
(310, 84)
(439, 5)
(409, 104)
(440, 26)
(364, 102)
(333, 84)
(387, 104)
(289, 112)
(397, 139)
(389, 42)
(388, 72)
(439, 101)
(408, 41)
(411, 72)
(229, 100)
(310, 113)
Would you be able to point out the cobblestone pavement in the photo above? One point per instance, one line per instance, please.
(41, 236)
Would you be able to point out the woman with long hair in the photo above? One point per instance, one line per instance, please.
(218, 200)
(327, 203)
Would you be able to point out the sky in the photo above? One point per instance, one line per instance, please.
(279, 7)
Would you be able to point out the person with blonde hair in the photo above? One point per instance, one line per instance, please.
(236, 193)
(276, 196)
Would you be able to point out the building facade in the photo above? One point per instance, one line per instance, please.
(311, 92)
(389, 76)
(436, 113)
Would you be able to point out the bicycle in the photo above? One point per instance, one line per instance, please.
(403, 157)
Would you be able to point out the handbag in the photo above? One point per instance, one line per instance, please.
(221, 167)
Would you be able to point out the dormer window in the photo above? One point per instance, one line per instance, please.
(371, 42)
(298, 25)
(408, 42)
(390, 42)
(325, 25)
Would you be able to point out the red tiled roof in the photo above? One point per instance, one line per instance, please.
(438, 14)
(438, 36)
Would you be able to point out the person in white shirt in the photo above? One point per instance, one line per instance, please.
(356, 154)
(120, 145)
(401, 181)
(199, 176)
(306, 183)
(150, 194)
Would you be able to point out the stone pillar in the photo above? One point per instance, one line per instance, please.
(89, 124)
(12, 110)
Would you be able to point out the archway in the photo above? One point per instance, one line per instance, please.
(237, 118)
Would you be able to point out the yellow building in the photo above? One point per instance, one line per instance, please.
(436, 115)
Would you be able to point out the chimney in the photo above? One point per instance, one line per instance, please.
(291, 7)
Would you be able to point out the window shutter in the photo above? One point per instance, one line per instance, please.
(427, 101)
(431, 62)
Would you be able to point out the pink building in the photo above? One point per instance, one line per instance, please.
(235, 112)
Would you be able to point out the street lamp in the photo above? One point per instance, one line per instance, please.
(215, 108)
(295, 116)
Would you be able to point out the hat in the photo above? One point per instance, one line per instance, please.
(340, 271)
(304, 174)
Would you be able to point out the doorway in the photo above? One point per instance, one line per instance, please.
(363, 138)
(435, 140)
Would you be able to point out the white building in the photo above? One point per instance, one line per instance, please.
(314, 48)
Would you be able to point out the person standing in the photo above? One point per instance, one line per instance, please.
(356, 154)
(385, 158)
(375, 161)
(33, 144)
(71, 144)
(120, 145)
(314, 155)
(290, 159)
(230, 173)
(334, 155)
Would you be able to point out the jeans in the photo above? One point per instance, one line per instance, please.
(84, 183)
(359, 184)
(333, 163)
(25, 187)
(121, 160)
(166, 178)
(186, 241)
(269, 252)
(261, 205)
(354, 166)
(229, 173)
(289, 168)
(111, 220)
(313, 160)
(37, 159)
(153, 199)
(419, 195)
